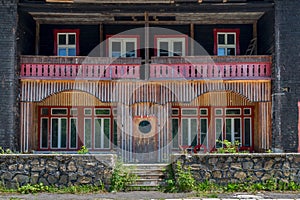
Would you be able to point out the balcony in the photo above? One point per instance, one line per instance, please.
(214, 67)
(86, 68)
(161, 68)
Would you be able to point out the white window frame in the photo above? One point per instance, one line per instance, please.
(59, 133)
(66, 46)
(226, 46)
(171, 42)
(76, 134)
(189, 131)
(232, 134)
(102, 134)
(123, 42)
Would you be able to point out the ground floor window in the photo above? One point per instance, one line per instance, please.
(70, 128)
(208, 125)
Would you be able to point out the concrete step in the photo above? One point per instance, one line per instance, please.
(149, 176)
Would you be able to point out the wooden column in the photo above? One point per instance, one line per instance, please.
(101, 36)
(147, 59)
(255, 36)
(192, 39)
(37, 38)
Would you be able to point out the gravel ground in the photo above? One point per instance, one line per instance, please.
(148, 195)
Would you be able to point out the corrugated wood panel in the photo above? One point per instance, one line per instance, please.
(29, 133)
(72, 98)
(153, 92)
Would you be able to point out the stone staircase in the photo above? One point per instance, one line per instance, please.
(149, 176)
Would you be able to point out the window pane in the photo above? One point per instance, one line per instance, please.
(230, 39)
(72, 39)
(189, 111)
(228, 130)
(230, 51)
(177, 49)
(233, 111)
(221, 52)
(221, 38)
(87, 111)
(194, 132)
(63, 138)
(219, 127)
(62, 51)
(88, 133)
(54, 134)
(98, 133)
(203, 112)
(115, 132)
(247, 133)
(175, 133)
(163, 49)
(130, 50)
(73, 135)
(116, 49)
(72, 52)
(237, 129)
(62, 38)
(44, 133)
(45, 111)
(185, 138)
(203, 128)
(102, 111)
(106, 133)
(247, 111)
(175, 112)
(58, 111)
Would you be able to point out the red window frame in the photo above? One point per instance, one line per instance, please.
(57, 31)
(237, 34)
(171, 36)
(123, 36)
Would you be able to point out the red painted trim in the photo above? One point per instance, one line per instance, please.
(123, 36)
(55, 34)
(237, 33)
(171, 36)
(80, 123)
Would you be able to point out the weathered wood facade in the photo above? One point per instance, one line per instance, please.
(145, 107)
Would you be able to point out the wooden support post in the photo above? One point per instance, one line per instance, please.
(255, 36)
(37, 38)
(102, 53)
(147, 59)
(192, 39)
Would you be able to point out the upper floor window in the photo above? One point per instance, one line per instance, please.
(175, 45)
(226, 42)
(123, 46)
(66, 42)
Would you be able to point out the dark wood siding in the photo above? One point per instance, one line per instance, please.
(265, 29)
(89, 38)
(204, 37)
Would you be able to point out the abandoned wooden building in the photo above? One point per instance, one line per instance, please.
(143, 79)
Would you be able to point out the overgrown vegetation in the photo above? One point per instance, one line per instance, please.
(5, 151)
(181, 180)
(228, 147)
(37, 188)
(121, 178)
(83, 150)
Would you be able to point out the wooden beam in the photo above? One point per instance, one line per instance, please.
(147, 54)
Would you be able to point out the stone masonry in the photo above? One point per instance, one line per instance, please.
(57, 170)
(225, 168)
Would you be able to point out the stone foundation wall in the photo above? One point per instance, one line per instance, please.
(58, 170)
(225, 168)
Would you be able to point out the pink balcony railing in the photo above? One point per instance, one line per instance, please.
(67, 69)
(238, 67)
